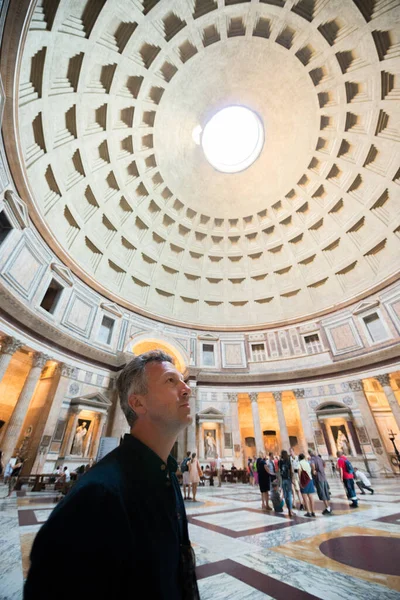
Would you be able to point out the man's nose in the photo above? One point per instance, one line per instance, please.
(186, 388)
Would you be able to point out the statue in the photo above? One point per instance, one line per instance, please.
(342, 443)
(210, 446)
(77, 446)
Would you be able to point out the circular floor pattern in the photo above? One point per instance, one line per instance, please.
(365, 552)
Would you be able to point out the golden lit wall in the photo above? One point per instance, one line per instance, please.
(12, 383)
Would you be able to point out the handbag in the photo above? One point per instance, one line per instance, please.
(304, 478)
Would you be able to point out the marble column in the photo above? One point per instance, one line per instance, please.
(21, 408)
(285, 443)
(222, 440)
(258, 435)
(326, 439)
(191, 429)
(119, 426)
(384, 380)
(236, 436)
(357, 388)
(201, 442)
(304, 418)
(70, 433)
(101, 419)
(9, 346)
(65, 372)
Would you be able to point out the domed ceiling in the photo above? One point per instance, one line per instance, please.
(110, 95)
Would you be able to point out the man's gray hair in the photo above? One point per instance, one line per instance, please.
(133, 379)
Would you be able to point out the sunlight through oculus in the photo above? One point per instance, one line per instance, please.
(233, 139)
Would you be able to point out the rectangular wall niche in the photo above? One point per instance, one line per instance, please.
(52, 296)
(5, 226)
(208, 355)
(106, 330)
(375, 327)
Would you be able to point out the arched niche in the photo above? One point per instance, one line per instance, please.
(338, 429)
(144, 342)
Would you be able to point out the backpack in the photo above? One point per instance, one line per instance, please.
(349, 467)
(184, 465)
(284, 467)
(304, 478)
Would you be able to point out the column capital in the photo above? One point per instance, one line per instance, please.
(253, 396)
(299, 393)
(10, 345)
(232, 396)
(356, 385)
(277, 396)
(39, 359)
(65, 370)
(383, 379)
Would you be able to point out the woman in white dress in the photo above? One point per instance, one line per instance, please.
(195, 473)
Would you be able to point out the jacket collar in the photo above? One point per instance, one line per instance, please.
(151, 463)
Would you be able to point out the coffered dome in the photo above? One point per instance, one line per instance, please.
(110, 97)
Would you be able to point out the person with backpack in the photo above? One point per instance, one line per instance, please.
(306, 485)
(186, 476)
(346, 472)
(286, 475)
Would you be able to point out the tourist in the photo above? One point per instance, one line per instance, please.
(125, 519)
(321, 482)
(362, 481)
(264, 482)
(186, 476)
(276, 497)
(347, 478)
(9, 469)
(250, 470)
(195, 473)
(271, 466)
(306, 485)
(219, 468)
(15, 472)
(295, 477)
(255, 473)
(285, 473)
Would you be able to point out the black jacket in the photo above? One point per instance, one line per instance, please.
(119, 528)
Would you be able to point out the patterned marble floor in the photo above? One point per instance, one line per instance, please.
(243, 552)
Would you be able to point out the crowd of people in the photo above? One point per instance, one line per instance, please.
(62, 477)
(194, 475)
(281, 479)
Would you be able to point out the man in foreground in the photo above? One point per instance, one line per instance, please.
(123, 525)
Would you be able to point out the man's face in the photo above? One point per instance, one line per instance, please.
(166, 402)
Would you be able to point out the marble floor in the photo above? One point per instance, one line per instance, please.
(243, 552)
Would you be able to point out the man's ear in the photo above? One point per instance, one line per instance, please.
(138, 404)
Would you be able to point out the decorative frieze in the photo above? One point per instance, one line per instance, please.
(356, 385)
